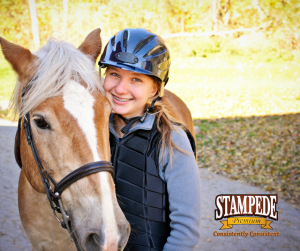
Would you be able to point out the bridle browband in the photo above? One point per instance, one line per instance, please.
(54, 196)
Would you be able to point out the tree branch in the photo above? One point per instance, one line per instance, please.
(209, 33)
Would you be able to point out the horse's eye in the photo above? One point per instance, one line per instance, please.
(41, 123)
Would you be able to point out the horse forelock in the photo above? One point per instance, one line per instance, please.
(59, 63)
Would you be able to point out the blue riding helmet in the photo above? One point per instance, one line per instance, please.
(140, 51)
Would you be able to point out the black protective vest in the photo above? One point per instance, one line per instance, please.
(141, 192)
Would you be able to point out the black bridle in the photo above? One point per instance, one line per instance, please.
(54, 195)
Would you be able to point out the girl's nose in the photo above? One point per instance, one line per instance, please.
(122, 87)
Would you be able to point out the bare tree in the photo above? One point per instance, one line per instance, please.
(182, 19)
(259, 9)
(65, 17)
(227, 12)
(34, 24)
(215, 14)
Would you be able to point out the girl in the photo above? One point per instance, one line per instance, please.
(157, 179)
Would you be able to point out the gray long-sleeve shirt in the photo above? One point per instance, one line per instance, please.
(183, 185)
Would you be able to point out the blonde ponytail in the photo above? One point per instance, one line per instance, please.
(165, 125)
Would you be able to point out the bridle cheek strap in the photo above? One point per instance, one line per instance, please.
(17, 145)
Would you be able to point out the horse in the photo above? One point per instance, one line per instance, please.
(178, 110)
(64, 136)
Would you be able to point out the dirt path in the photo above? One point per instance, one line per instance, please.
(13, 238)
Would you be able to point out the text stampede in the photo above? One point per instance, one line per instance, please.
(237, 205)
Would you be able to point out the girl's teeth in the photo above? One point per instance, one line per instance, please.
(120, 99)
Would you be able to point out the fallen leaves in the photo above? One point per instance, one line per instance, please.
(262, 150)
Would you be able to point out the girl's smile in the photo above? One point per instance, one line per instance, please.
(121, 100)
(128, 91)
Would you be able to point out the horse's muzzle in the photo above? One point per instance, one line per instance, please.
(92, 241)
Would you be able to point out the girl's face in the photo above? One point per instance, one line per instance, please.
(128, 91)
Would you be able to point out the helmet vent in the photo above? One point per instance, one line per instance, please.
(156, 51)
(125, 37)
(142, 43)
(113, 41)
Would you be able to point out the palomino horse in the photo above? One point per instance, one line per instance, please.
(68, 114)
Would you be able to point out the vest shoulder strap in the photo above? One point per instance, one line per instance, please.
(188, 133)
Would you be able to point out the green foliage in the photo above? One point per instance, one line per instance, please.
(279, 19)
(7, 80)
(7, 114)
(15, 21)
(256, 47)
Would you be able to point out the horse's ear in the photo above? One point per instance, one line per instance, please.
(21, 59)
(92, 44)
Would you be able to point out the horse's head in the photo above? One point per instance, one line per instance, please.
(69, 119)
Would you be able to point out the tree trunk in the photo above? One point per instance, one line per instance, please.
(215, 14)
(34, 24)
(259, 9)
(182, 19)
(227, 12)
(210, 33)
(65, 17)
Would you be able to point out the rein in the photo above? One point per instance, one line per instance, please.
(54, 195)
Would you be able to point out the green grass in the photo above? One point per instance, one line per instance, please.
(224, 77)
(7, 80)
(217, 87)
(7, 84)
(223, 84)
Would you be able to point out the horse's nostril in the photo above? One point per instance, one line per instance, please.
(92, 241)
(124, 236)
(128, 229)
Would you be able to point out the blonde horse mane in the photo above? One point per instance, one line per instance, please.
(58, 62)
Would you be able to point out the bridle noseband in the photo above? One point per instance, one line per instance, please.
(54, 196)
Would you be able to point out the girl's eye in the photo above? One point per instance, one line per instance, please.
(41, 123)
(137, 80)
(115, 74)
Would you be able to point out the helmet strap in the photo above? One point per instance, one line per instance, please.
(129, 122)
(149, 108)
(132, 120)
(162, 89)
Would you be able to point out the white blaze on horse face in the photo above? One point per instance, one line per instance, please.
(79, 102)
